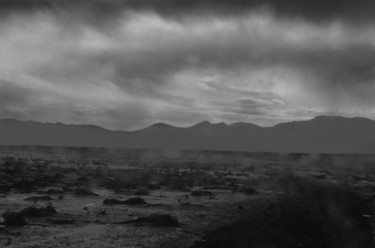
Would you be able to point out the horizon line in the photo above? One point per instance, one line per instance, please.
(190, 126)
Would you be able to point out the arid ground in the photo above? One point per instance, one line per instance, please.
(80, 197)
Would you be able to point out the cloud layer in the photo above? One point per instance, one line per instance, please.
(357, 11)
(128, 64)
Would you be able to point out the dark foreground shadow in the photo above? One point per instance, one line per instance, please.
(310, 215)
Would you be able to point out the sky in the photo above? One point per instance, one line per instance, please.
(127, 64)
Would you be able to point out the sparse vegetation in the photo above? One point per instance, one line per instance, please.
(227, 199)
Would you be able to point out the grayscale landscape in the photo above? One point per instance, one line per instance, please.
(187, 123)
(80, 196)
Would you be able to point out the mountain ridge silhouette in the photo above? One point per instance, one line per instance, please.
(322, 134)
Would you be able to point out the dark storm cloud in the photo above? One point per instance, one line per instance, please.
(256, 103)
(184, 61)
(347, 67)
(355, 64)
(239, 91)
(350, 68)
(10, 95)
(238, 108)
(255, 107)
(327, 10)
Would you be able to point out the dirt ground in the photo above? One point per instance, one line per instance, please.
(90, 229)
(204, 196)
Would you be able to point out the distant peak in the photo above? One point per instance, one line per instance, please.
(161, 125)
(243, 124)
(30, 122)
(208, 124)
(328, 117)
(221, 124)
(203, 123)
(337, 117)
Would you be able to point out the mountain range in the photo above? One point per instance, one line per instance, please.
(323, 134)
